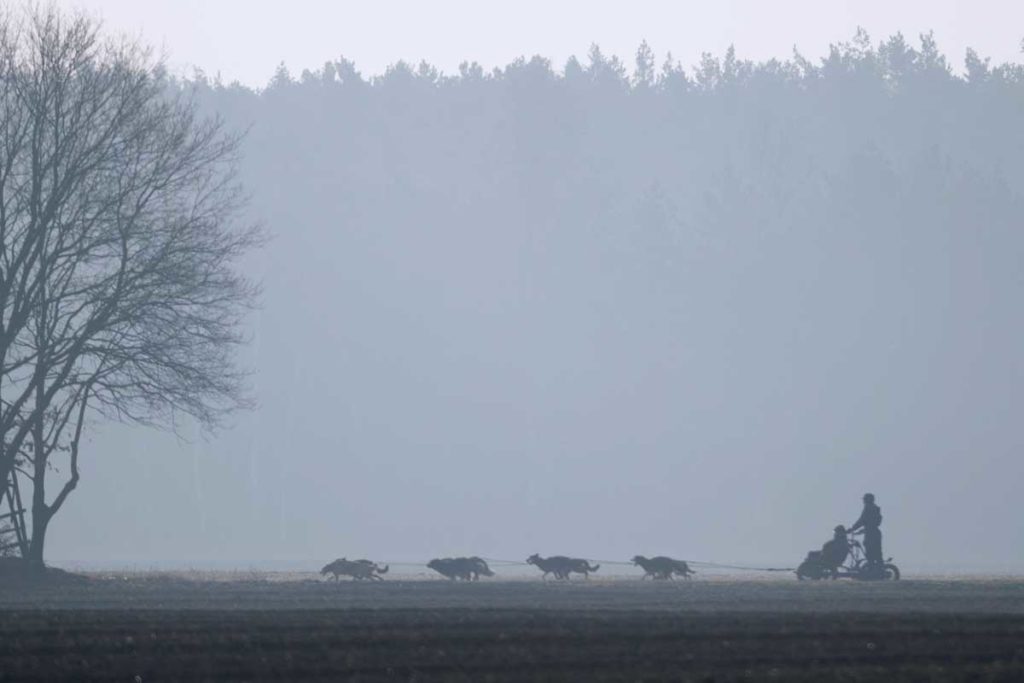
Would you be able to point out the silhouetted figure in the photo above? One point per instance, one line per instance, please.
(871, 521)
(835, 550)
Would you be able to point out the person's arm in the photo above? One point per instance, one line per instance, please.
(858, 524)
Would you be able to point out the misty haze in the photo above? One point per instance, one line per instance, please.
(611, 304)
(628, 332)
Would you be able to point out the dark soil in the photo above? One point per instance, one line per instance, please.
(16, 572)
(160, 629)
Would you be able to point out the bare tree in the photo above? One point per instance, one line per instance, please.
(118, 241)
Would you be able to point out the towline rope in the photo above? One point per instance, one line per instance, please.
(716, 565)
(697, 563)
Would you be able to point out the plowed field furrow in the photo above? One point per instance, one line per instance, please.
(503, 631)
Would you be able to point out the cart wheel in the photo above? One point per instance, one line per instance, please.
(808, 576)
(892, 572)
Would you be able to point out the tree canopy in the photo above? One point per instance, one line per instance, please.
(118, 289)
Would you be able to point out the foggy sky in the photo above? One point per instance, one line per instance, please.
(472, 377)
(245, 41)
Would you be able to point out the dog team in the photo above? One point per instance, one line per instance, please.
(472, 568)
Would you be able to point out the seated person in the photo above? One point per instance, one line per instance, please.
(834, 552)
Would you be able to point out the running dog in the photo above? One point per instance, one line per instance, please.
(465, 568)
(357, 569)
(561, 566)
(662, 567)
(480, 567)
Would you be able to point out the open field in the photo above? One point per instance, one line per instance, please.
(289, 626)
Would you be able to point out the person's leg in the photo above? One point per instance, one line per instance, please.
(873, 546)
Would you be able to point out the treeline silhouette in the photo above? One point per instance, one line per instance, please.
(883, 140)
(672, 264)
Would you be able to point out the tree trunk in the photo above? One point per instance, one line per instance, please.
(40, 510)
(41, 515)
(40, 524)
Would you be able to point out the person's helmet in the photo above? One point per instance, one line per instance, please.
(840, 529)
(869, 498)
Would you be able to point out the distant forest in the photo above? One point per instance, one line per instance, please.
(881, 151)
(843, 229)
(873, 136)
(518, 273)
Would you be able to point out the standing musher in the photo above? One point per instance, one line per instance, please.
(871, 521)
